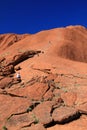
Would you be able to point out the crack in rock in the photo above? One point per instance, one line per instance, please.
(12, 95)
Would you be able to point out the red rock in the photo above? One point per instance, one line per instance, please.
(6, 82)
(11, 105)
(81, 94)
(64, 114)
(2, 59)
(66, 46)
(20, 120)
(37, 90)
(20, 57)
(48, 95)
(7, 70)
(51, 77)
(8, 40)
(37, 127)
(80, 124)
(43, 112)
(82, 108)
(69, 98)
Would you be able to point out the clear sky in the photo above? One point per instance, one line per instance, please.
(31, 16)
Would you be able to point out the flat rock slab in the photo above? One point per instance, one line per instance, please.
(43, 112)
(35, 127)
(12, 105)
(65, 114)
(37, 90)
(69, 98)
(81, 95)
(80, 124)
(82, 108)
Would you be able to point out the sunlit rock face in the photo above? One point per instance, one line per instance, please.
(52, 90)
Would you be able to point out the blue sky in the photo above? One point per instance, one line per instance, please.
(31, 16)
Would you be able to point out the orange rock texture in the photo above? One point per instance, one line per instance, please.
(52, 91)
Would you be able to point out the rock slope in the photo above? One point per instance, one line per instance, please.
(52, 92)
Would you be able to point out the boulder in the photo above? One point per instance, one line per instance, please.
(65, 114)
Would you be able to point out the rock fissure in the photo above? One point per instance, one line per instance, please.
(43, 70)
(30, 108)
(11, 94)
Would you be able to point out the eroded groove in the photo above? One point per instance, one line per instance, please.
(28, 124)
(30, 108)
(74, 76)
(12, 95)
(43, 70)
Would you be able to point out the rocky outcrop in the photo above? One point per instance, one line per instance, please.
(43, 112)
(48, 105)
(7, 82)
(6, 70)
(20, 57)
(52, 90)
(7, 64)
(65, 114)
(7, 40)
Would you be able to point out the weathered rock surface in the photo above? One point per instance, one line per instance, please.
(53, 87)
(69, 98)
(43, 112)
(82, 108)
(6, 82)
(6, 70)
(37, 90)
(65, 114)
(79, 124)
(8, 40)
(17, 58)
(36, 127)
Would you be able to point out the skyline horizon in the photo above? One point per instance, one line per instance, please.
(42, 30)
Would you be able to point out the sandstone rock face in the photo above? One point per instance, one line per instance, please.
(17, 58)
(53, 86)
(6, 82)
(8, 40)
(7, 70)
(82, 108)
(37, 127)
(43, 112)
(80, 124)
(37, 91)
(69, 49)
(64, 114)
(69, 98)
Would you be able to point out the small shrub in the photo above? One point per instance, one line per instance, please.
(36, 120)
(29, 109)
(4, 128)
